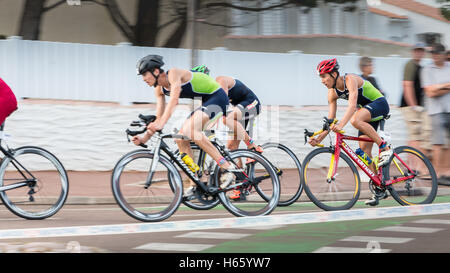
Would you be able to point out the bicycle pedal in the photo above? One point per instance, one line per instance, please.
(189, 198)
(372, 202)
(238, 199)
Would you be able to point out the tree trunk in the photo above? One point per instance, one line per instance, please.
(31, 19)
(146, 28)
(175, 39)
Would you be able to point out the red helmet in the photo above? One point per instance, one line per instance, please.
(327, 66)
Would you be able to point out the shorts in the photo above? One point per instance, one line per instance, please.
(214, 104)
(441, 131)
(418, 125)
(378, 109)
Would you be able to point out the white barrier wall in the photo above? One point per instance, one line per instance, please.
(86, 136)
(38, 69)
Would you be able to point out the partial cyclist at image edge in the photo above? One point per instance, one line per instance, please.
(367, 107)
(180, 83)
(8, 101)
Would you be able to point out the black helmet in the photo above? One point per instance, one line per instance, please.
(148, 63)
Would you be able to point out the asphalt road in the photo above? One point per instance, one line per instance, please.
(107, 229)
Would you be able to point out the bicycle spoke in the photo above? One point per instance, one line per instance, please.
(421, 185)
(328, 192)
(253, 195)
(153, 203)
(288, 169)
(44, 193)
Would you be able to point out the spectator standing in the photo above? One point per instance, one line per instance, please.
(417, 121)
(436, 84)
(366, 67)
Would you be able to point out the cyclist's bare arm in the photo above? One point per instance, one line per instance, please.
(352, 86)
(332, 108)
(175, 79)
(160, 101)
(225, 82)
(160, 105)
(408, 90)
(437, 90)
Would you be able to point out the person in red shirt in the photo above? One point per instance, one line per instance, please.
(8, 102)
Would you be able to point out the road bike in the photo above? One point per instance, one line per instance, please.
(33, 182)
(409, 175)
(148, 186)
(283, 160)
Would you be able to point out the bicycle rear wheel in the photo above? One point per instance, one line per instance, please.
(154, 203)
(45, 183)
(288, 168)
(422, 188)
(258, 174)
(340, 192)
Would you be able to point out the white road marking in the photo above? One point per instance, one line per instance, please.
(409, 229)
(213, 235)
(264, 227)
(432, 221)
(387, 240)
(173, 247)
(232, 222)
(328, 249)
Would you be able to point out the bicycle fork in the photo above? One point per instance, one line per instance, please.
(155, 161)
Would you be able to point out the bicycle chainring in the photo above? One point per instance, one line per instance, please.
(376, 190)
(204, 198)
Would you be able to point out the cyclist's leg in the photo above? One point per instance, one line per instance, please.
(192, 128)
(244, 111)
(367, 146)
(361, 121)
(373, 112)
(232, 121)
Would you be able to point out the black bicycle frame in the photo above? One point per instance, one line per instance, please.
(27, 181)
(208, 190)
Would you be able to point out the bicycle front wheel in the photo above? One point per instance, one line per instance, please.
(288, 168)
(148, 200)
(338, 192)
(422, 187)
(258, 177)
(44, 181)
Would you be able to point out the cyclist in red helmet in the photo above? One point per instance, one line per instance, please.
(366, 107)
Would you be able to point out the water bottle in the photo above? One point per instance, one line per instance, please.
(363, 156)
(189, 162)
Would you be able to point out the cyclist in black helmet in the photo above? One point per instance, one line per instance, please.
(179, 83)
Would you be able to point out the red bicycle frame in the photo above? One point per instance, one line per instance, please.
(376, 178)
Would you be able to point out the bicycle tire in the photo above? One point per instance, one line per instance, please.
(207, 201)
(407, 193)
(128, 186)
(330, 201)
(40, 199)
(261, 206)
(290, 194)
